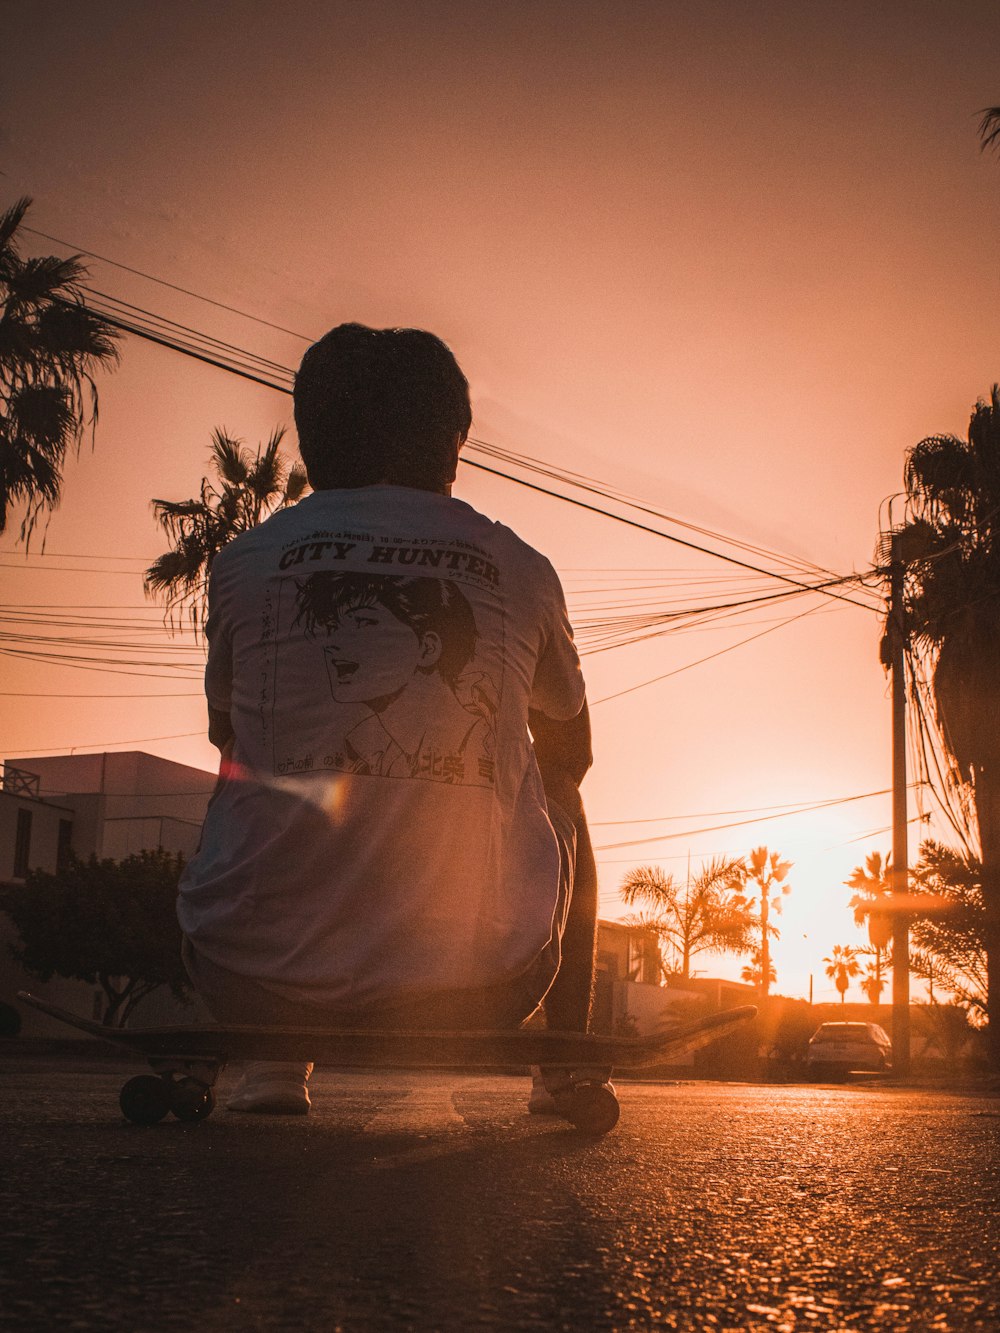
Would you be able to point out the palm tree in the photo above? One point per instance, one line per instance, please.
(753, 972)
(706, 914)
(249, 488)
(951, 546)
(950, 940)
(51, 345)
(989, 128)
(873, 882)
(842, 965)
(763, 872)
(873, 983)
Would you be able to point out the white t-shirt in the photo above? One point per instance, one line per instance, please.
(381, 832)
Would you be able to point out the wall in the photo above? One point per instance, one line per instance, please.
(164, 802)
(118, 804)
(45, 820)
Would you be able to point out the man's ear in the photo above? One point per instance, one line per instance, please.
(431, 648)
(457, 443)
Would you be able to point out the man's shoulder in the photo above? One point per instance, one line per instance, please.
(265, 536)
(390, 512)
(506, 536)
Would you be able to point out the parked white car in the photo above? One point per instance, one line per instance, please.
(837, 1048)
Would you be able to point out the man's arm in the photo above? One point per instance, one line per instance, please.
(218, 670)
(220, 728)
(563, 749)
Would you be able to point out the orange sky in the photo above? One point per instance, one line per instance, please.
(733, 261)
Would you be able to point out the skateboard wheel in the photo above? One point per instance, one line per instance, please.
(592, 1107)
(145, 1100)
(191, 1100)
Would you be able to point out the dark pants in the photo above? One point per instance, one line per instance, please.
(561, 976)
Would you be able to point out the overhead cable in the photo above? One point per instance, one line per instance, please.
(163, 339)
(739, 823)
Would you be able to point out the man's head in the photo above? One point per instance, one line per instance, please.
(380, 405)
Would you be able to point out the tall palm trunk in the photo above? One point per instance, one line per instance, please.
(765, 946)
(987, 793)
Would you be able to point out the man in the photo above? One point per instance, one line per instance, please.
(397, 837)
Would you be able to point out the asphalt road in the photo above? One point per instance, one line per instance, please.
(433, 1201)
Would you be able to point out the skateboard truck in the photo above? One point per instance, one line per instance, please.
(181, 1085)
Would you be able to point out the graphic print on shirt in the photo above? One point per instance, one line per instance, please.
(407, 669)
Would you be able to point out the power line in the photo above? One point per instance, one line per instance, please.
(91, 254)
(793, 806)
(66, 555)
(702, 660)
(173, 345)
(192, 342)
(72, 569)
(715, 828)
(159, 338)
(578, 479)
(584, 482)
(32, 694)
(96, 745)
(129, 326)
(127, 310)
(96, 664)
(146, 795)
(872, 833)
(680, 541)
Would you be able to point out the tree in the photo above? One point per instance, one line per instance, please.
(946, 1030)
(108, 923)
(989, 128)
(763, 871)
(873, 884)
(51, 345)
(949, 935)
(873, 982)
(706, 914)
(249, 487)
(842, 965)
(951, 548)
(753, 972)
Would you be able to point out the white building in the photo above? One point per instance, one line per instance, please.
(108, 805)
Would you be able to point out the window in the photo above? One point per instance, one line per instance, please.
(64, 845)
(22, 844)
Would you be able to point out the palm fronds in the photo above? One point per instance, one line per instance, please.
(248, 487)
(51, 346)
(989, 128)
(705, 913)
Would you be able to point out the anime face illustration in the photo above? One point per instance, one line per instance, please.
(382, 633)
(401, 648)
(371, 654)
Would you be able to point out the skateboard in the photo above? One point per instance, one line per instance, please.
(187, 1061)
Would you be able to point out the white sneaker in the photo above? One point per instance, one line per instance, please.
(540, 1100)
(270, 1088)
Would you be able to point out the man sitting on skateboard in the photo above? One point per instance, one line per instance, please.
(397, 838)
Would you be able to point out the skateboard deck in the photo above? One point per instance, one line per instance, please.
(189, 1059)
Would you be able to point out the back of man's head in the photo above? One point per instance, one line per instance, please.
(380, 405)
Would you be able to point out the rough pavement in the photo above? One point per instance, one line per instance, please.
(432, 1201)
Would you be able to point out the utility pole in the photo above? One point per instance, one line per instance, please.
(894, 656)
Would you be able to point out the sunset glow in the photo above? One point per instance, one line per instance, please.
(726, 263)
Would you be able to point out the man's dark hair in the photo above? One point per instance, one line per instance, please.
(377, 405)
(421, 604)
